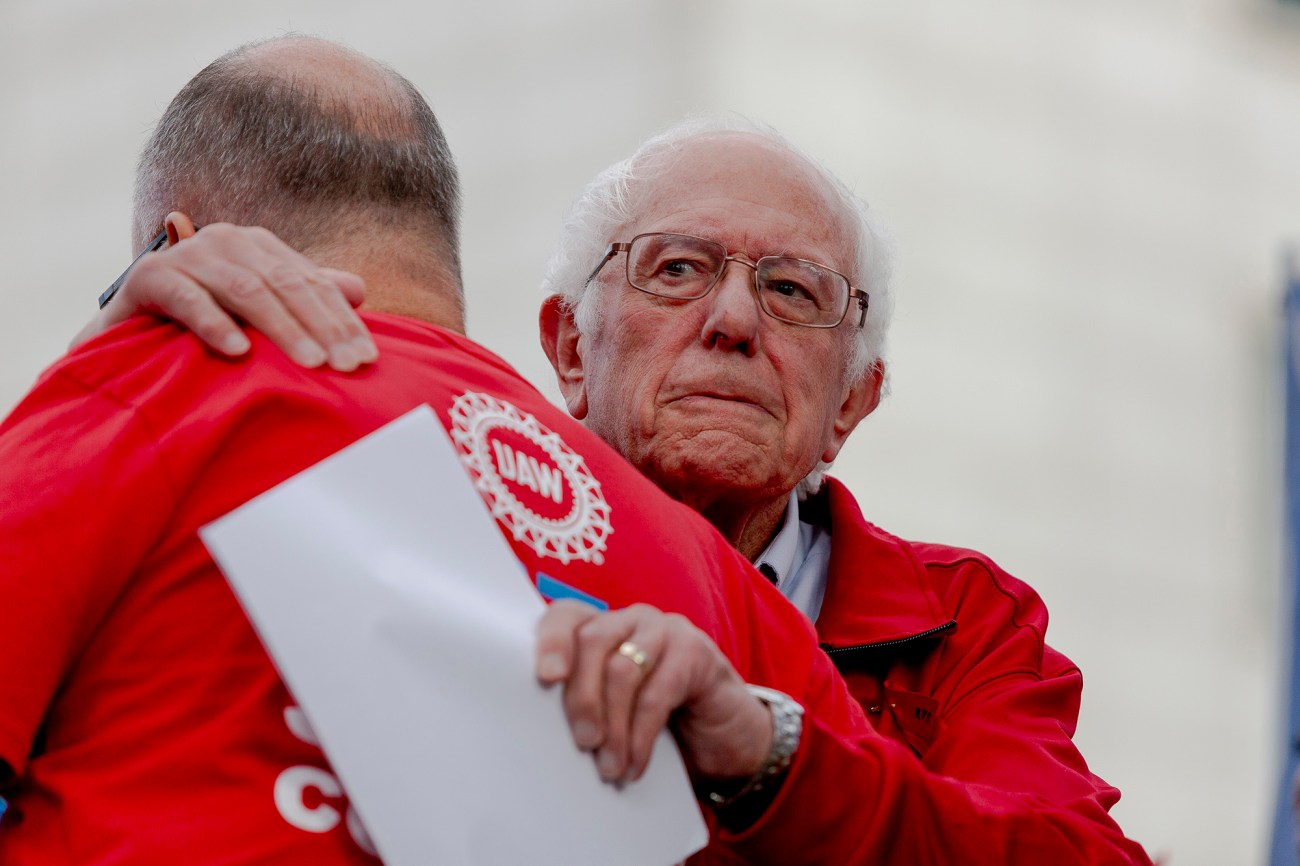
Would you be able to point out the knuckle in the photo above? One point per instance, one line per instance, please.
(591, 637)
(147, 267)
(621, 673)
(179, 297)
(286, 279)
(224, 234)
(563, 608)
(678, 624)
(246, 288)
(259, 233)
(653, 703)
(316, 279)
(550, 636)
(579, 705)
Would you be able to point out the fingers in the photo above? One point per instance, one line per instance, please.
(163, 285)
(211, 324)
(615, 687)
(226, 271)
(624, 674)
(663, 691)
(318, 309)
(302, 308)
(578, 646)
(555, 638)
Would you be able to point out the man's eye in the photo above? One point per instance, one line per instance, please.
(681, 268)
(789, 289)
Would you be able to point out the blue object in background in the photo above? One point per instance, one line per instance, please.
(1286, 827)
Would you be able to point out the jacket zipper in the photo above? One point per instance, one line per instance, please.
(947, 626)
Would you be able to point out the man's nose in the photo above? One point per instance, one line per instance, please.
(734, 318)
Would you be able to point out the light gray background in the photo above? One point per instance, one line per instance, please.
(1091, 201)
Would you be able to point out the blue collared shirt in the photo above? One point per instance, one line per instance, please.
(799, 556)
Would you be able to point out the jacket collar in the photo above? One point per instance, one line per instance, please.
(876, 587)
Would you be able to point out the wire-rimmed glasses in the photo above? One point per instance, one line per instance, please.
(686, 268)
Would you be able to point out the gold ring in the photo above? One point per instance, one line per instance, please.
(635, 655)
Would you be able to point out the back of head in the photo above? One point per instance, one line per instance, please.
(337, 154)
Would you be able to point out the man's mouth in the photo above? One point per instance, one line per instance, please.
(716, 397)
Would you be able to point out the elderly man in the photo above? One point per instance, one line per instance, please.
(718, 308)
(727, 342)
(140, 719)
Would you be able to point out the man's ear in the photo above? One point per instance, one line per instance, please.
(179, 227)
(860, 399)
(561, 343)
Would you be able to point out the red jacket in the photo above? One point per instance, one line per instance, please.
(973, 761)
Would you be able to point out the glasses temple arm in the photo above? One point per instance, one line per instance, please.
(863, 300)
(154, 245)
(610, 251)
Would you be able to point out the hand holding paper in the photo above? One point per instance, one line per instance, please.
(626, 672)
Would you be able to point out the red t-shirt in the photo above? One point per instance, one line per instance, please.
(141, 713)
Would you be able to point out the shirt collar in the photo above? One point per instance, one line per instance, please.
(783, 550)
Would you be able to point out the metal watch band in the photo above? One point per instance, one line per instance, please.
(787, 728)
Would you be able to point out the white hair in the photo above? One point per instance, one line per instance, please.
(610, 201)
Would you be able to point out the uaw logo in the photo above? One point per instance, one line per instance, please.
(534, 484)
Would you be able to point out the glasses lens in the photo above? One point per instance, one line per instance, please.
(675, 266)
(801, 292)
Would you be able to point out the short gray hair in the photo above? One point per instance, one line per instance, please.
(256, 146)
(610, 199)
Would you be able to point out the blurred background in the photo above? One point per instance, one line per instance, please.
(1092, 204)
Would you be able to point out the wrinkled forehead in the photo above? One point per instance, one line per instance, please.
(735, 180)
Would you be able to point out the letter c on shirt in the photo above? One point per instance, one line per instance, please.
(289, 788)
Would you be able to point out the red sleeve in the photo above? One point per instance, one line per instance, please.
(873, 802)
(1001, 785)
(82, 496)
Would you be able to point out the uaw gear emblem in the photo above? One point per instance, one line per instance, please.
(534, 484)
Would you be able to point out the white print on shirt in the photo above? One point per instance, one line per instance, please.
(293, 783)
(537, 487)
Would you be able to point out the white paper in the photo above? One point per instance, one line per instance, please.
(405, 628)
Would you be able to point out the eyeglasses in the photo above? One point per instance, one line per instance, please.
(154, 245)
(686, 268)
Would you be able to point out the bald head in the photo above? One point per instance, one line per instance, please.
(335, 72)
(336, 153)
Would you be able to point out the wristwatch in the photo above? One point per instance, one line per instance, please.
(787, 728)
